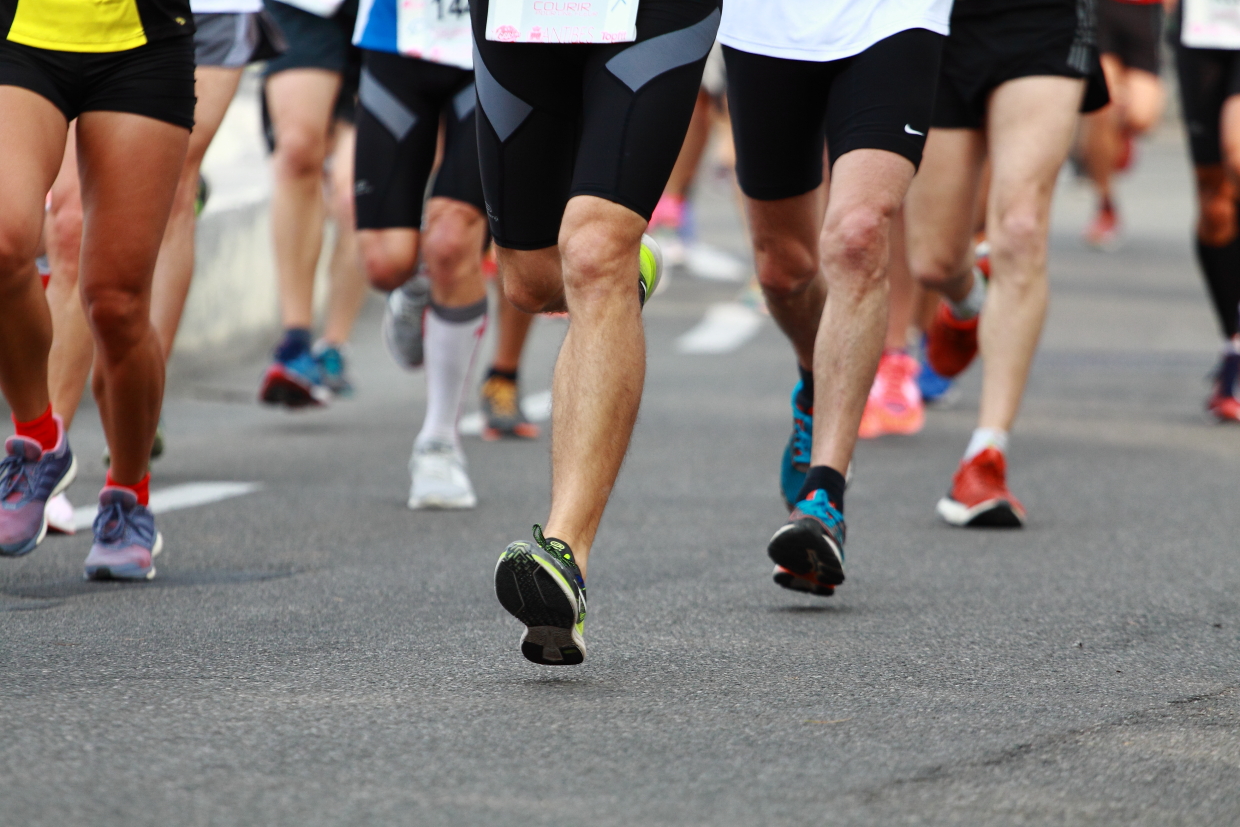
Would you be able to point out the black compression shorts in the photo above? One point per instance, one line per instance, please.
(605, 120)
(1208, 77)
(155, 80)
(1131, 32)
(782, 110)
(402, 100)
(991, 46)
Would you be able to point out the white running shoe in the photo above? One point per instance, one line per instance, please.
(439, 477)
(402, 321)
(60, 515)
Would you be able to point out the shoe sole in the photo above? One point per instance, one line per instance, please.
(534, 595)
(30, 545)
(807, 552)
(990, 514)
(792, 582)
(128, 572)
(523, 430)
(442, 503)
(280, 390)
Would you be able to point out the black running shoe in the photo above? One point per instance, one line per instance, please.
(541, 586)
(808, 550)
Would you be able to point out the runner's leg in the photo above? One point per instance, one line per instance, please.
(347, 291)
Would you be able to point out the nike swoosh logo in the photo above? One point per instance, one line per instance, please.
(912, 131)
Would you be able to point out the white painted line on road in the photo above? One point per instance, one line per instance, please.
(723, 329)
(177, 497)
(535, 406)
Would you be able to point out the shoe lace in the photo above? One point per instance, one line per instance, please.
(561, 551)
(112, 522)
(15, 482)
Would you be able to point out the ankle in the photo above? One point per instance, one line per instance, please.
(44, 429)
(141, 488)
(984, 438)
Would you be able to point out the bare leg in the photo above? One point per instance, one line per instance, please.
(867, 188)
(514, 327)
(174, 268)
(32, 132)
(691, 150)
(1030, 125)
(300, 102)
(452, 250)
(73, 347)
(126, 211)
(602, 364)
(900, 304)
(348, 284)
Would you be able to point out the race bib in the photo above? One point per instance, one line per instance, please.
(323, 8)
(562, 21)
(1211, 24)
(435, 30)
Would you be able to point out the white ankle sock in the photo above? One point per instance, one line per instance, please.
(971, 304)
(984, 438)
(452, 335)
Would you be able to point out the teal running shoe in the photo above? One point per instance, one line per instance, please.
(333, 370)
(809, 549)
(540, 585)
(794, 464)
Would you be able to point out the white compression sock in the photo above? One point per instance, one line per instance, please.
(452, 335)
(984, 438)
(971, 305)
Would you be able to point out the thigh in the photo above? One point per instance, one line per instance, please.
(883, 98)
(397, 128)
(1204, 76)
(214, 88)
(778, 109)
(125, 205)
(300, 103)
(32, 132)
(942, 201)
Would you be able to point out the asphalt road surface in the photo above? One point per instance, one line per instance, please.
(314, 653)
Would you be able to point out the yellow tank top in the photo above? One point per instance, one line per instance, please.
(87, 25)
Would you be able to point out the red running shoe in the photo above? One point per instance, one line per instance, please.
(1103, 232)
(951, 343)
(979, 497)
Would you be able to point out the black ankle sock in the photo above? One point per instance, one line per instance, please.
(805, 399)
(295, 342)
(826, 478)
(510, 375)
(1221, 268)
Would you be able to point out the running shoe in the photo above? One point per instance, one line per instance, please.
(540, 585)
(935, 389)
(894, 405)
(438, 477)
(951, 343)
(501, 409)
(157, 446)
(333, 369)
(1103, 232)
(60, 515)
(809, 549)
(1223, 401)
(980, 497)
(201, 195)
(126, 540)
(29, 477)
(667, 214)
(294, 383)
(403, 319)
(794, 464)
(649, 267)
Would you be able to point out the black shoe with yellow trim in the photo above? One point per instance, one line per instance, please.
(540, 585)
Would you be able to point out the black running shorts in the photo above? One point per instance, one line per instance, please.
(991, 44)
(315, 42)
(155, 80)
(1208, 77)
(1131, 32)
(559, 120)
(401, 101)
(783, 110)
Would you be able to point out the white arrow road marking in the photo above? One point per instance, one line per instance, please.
(189, 495)
(723, 329)
(536, 407)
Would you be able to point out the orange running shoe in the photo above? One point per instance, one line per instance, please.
(980, 496)
(951, 343)
(894, 405)
(1103, 232)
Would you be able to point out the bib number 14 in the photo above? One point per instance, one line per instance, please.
(562, 21)
(435, 30)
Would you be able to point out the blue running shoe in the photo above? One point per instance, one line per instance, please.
(809, 549)
(794, 464)
(934, 387)
(294, 383)
(125, 538)
(332, 369)
(29, 477)
(540, 585)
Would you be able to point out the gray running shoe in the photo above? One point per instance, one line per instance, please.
(29, 477)
(126, 540)
(402, 321)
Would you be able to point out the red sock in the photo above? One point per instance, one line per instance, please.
(141, 488)
(42, 429)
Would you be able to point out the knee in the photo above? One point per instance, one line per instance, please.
(17, 252)
(785, 266)
(1217, 224)
(855, 245)
(447, 247)
(590, 257)
(387, 265)
(1019, 237)
(118, 315)
(300, 152)
(935, 271)
(521, 296)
